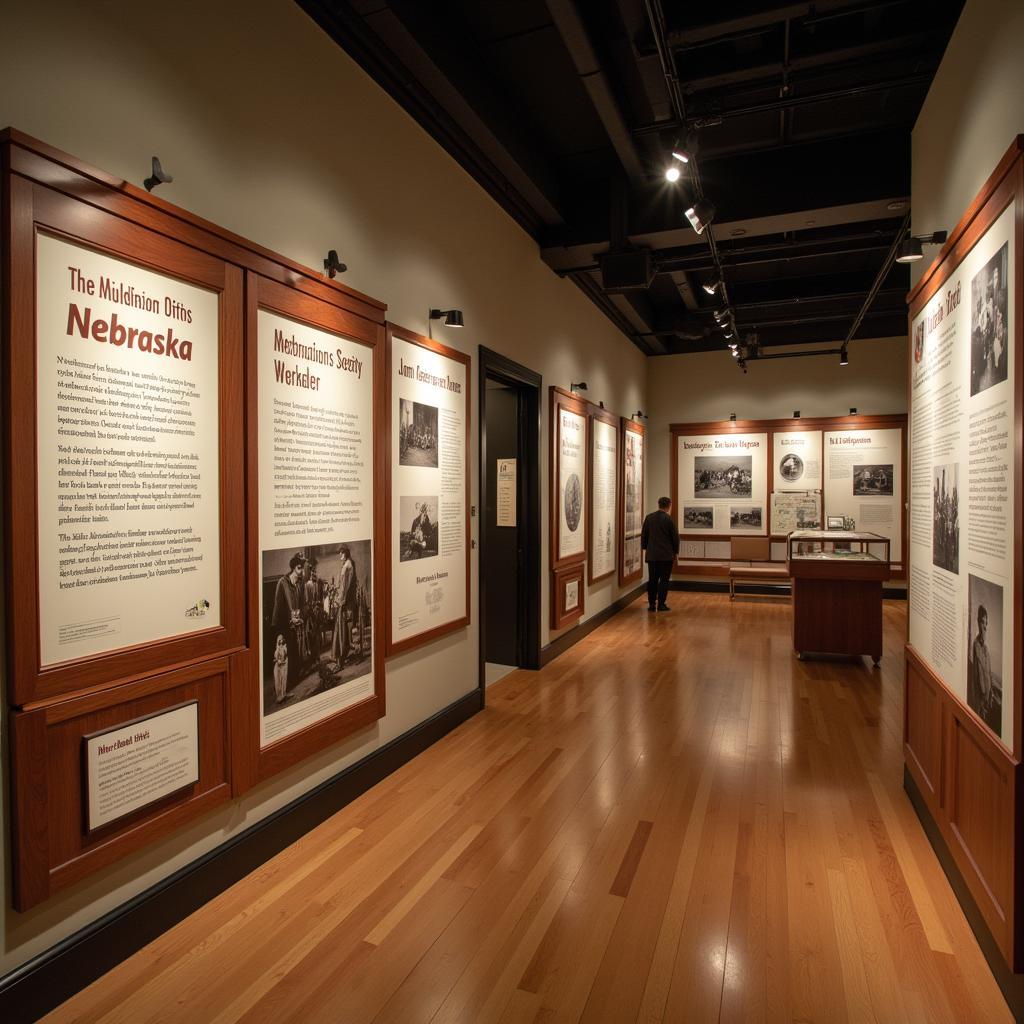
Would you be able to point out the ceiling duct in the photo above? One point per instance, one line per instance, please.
(626, 271)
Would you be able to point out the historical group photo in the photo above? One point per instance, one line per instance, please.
(791, 467)
(698, 517)
(990, 324)
(985, 651)
(572, 502)
(745, 517)
(723, 476)
(417, 527)
(946, 518)
(873, 481)
(417, 434)
(316, 620)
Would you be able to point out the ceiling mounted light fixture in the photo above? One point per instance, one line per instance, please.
(672, 173)
(844, 356)
(700, 215)
(720, 315)
(452, 317)
(711, 285)
(910, 247)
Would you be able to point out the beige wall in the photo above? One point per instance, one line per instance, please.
(710, 386)
(970, 117)
(270, 130)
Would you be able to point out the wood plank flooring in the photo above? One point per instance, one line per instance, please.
(674, 821)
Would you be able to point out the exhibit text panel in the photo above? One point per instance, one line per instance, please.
(572, 481)
(127, 454)
(603, 535)
(962, 514)
(723, 483)
(315, 524)
(632, 502)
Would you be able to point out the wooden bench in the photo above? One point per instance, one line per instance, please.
(753, 549)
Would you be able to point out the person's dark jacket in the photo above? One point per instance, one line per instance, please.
(659, 538)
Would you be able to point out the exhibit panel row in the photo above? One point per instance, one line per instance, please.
(597, 500)
(233, 490)
(770, 477)
(962, 724)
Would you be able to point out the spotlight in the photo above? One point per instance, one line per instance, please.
(452, 317)
(685, 153)
(732, 416)
(735, 353)
(910, 251)
(711, 285)
(638, 415)
(700, 215)
(796, 414)
(333, 266)
(158, 176)
(844, 356)
(672, 173)
(681, 155)
(853, 410)
(582, 386)
(720, 315)
(728, 332)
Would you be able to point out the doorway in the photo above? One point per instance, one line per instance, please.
(509, 561)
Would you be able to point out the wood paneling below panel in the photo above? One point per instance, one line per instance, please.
(922, 731)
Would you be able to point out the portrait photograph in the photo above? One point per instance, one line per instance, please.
(417, 527)
(946, 517)
(791, 467)
(745, 517)
(723, 476)
(985, 651)
(317, 613)
(417, 434)
(572, 502)
(698, 517)
(873, 480)
(990, 323)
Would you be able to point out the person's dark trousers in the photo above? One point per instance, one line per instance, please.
(658, 574)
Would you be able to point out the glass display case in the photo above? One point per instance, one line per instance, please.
(847, 546)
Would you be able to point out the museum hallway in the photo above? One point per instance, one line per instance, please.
(675, 820)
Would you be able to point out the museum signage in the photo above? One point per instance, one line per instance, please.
(569, 478)
(604, 496)
(723, 486)
(631, 500)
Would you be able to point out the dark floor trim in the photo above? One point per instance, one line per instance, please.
(35, 988)
(722, 587)
(1010, 984)
(577, 633)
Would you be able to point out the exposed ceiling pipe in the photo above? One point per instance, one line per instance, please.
(882, 274)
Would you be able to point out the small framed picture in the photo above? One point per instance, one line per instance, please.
(835, 523)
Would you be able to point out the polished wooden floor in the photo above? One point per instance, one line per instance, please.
(676, 820)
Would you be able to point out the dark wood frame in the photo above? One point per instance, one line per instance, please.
(627, 426)
(253, 763)
(561, 578)
(393, 647)
(969, 783)
(597, 413)
(559, 398)
(770, 428)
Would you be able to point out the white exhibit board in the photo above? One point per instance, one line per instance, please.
(604, 439)
(723, 483)
(428, 490)
(127, 454)
(864, 481)
(796, 460)
(315, 400)
(572, 481)
(632, 502)
(962, 512)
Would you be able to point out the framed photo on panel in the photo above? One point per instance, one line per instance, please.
(631, 500)
(568, 596)
(124, 466)
(603, 495)
(427, 505)
(568, 478)
(316, 559)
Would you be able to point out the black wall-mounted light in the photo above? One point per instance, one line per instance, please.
(910, 248)
(638, 415)
(332, 265)
(844, 356)
(711, 285)
(452, 317)
(732, 416)
(582, 386)
(158, 176)
(700, 215)
(796, 414)
(853, 410)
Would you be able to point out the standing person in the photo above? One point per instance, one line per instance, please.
(659, 539)
(347, 598)
(286, 617)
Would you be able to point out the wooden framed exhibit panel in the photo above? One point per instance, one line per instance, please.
(132, 503)
(569, 595)
(427, 401)
(568, 478)
(631, 499)
(771, 477)
(962, 710)
(603, 495)
(316, 552)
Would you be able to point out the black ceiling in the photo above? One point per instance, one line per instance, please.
(567, 111)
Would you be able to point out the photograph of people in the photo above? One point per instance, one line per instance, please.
(418, 527)
(984, 652)
(946, 518)
(417, 434)
(722, 476)
(872, 480)
(989, 324)
(698, 517)
(572, 502)
(745, 517)
(316, 634)
(791, 467)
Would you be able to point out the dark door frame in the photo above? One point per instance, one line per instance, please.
(527, 384)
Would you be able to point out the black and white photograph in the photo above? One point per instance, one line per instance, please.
(985, 651)
(417, 527)
(723, 476)
(791, 467)
(946, 517)
(572, 502)
(990, 324)
(697, 517)
(745, 517)
(873, 481)
(317, 604)
(417, 434)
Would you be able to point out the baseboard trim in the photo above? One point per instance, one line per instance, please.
(1010, 984)
(46, 981)
(577, 633)
(781, 590)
